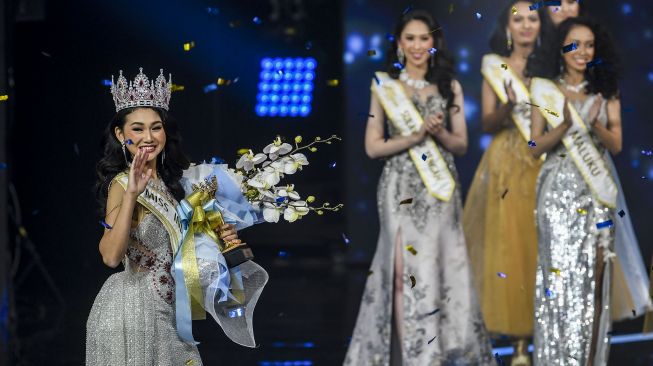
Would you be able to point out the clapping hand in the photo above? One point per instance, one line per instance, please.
(595, 109)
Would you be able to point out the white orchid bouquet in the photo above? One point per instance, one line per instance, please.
(262, 173)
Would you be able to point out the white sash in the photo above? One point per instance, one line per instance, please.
(406, 119)
(497, 76)
(577, 140)
(161, 207)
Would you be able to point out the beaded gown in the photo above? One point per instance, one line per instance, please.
(455, 334)
(132, 321)
(572, 305)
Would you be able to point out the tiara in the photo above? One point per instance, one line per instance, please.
(141, 92)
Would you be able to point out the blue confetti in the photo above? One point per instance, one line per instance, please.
(212, 10)
(542, 4)
(345, 239)
(281, 199)
(570, 47)
(398, 65)
(106, 226)
(332, 165)
(433, 51)
(549, 293)
(282, 254)
(478, 16)
(106, 82)
(622, 213)
(378, 81)
(433, 312)
(409, 8)
(604, 224)
(502, 275)
(129, 142)
(257, 20)
(389, 37)
(424, 157)
(210, 88)
(217, 160)
(531, 143)
(595, 62)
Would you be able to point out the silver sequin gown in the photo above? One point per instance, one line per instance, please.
(566, 310)
(441, 270)
(132, 321)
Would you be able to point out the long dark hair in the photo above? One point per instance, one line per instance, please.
(443, 73)
(113, 161)
(602, 78)
(499, 40)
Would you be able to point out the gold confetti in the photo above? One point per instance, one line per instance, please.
(188, 46)
(4, 97)
(412, 281)
(555, 270)
(504, 66)
(551, 112)
(407, 201)
(514, 10)
(504, 194)
(176, 87)
(582, 211)
(242, 152)
(411, 249)
(333, 82)
(22, 231)
(190, 362)
(222, 81)
(371, 52)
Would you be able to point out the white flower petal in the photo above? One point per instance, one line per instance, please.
(271, 215)
(290, 215)
(294, 195)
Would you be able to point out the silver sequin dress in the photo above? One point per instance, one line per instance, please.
(441, 270)
(132, 321)
(566, 310)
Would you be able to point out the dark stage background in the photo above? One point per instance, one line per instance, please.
(58, 55)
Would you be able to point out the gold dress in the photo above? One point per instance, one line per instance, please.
(499, 226)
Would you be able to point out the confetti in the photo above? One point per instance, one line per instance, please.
(106, 226)
(551, 112)
(212, 10)
(514, 10)
(257, 20)
(282, 254)
(407, 201)
(424, 157)
(409, 8)
(106, 82)
(502, 275)
(398, 65)
(563, 155)
(189, 45)
(308, 45)
(345, 239)
(371, 52)
(499, 359)
(366, 115)
(378, 81)
(411, 249)
(210, 88)
(595, 62)
(531, 143)
(570, 47)
(542, 4)
(582, 211)
(555, 270)
(504, 66)
(451, 8)
(190, 362)
(389, 37)
(478, 16)
(433, 50)
(46, 54)
(369, 273)
(76, 149)
(647, 152)
(332, 165)
(176, 88)
(433, 312)
(504, 194)
(4, 97)
(604, 224)
(549, 293)
(534, 105)
(217, 160)
(432, 339)
(22, 231)
(333, 82)
(222, 82)
(413, 281)
(129, 142)
(621, 213)
(634, 313)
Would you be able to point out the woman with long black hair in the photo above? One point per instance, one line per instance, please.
(419, 306)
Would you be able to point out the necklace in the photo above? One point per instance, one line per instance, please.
(573, 88)
(417, 84)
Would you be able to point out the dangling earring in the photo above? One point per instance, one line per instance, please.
(124, 153)
(163, 156)
(401, 56)
(508, 40)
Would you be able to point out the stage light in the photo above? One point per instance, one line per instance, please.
(463, 67)
(355, 43)
(285, 87)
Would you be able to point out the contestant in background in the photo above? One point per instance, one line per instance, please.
(498, 217)
(419, 306)
(582, 253)
(567, 9)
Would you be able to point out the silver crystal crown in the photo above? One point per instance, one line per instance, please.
(141, 92)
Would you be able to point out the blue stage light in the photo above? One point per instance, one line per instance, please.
(285, 87)
(463, 67)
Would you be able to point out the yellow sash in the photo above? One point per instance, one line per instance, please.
(406, 119)
(577, 140)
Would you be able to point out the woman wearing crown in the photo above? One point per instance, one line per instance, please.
(589, 270)
(498, 217)
(142, 315)
(419, 306)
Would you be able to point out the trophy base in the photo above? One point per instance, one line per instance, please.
(237, 255)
